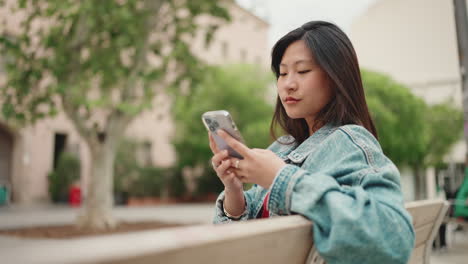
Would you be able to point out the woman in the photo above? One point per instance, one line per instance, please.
(330, 167)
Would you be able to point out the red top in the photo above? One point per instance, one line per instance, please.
(265, 212)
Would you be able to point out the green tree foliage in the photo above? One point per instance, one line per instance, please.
(410, 132)
(399, 116)
(101, 63)
(60, 180)
(444, 128)
(126, 165)
(132, 179)
(99, 46)
(239, 89)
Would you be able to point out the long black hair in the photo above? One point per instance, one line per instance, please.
(335, 55)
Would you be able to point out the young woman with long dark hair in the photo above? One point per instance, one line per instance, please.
(329, 167)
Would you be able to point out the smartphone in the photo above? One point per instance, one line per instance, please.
(221, 119)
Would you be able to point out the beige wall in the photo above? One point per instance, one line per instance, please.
(246, 34)
(33, 157)
(414, 41)
(34, 145)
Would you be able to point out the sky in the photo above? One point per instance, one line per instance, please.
(286, 15)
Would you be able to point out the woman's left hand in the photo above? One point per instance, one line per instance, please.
(259, 166)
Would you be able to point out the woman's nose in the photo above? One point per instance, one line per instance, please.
(291, 82)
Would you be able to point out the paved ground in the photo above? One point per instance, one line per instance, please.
(456, 253)
(18, 216)
(13, 217)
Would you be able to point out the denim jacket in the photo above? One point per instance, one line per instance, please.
(339, 179)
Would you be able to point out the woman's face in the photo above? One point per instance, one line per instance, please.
(303, 86)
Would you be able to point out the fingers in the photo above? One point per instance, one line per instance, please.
(236, 163)
(240, 167)
(223, 168)
(213, 146)
(219, 157)
(235, 144)
(227, 170)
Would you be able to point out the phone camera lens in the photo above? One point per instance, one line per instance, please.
(212, 128)
(208, 121)
(215, 124)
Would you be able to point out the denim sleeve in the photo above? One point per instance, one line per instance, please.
(220, 217)
(360, 223)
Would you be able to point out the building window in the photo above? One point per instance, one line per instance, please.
(243, 55)
(258, 60)
(6, 153)
(143, 154)
(101, 136)
(60, 143)
(225, 49)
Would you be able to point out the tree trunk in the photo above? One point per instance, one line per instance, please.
(99, 200)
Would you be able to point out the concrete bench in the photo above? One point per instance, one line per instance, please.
(427, 217)
(277, 240)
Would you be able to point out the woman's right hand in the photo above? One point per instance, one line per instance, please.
(222, 164)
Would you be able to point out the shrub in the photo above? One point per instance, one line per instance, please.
(67, 171)
(149, 182)
(126, 167)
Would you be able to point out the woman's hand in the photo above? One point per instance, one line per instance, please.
(221, 164)
(259, 166)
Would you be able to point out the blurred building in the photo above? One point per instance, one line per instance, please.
(29, 154)
(415, 42)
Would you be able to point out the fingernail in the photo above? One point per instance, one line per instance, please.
(228, 172)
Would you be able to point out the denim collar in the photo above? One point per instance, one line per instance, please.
(297, 154)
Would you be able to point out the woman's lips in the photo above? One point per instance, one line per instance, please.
(291, 100)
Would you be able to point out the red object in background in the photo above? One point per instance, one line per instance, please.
(74, 196)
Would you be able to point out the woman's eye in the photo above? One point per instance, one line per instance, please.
(304, 71)
(282, 74)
